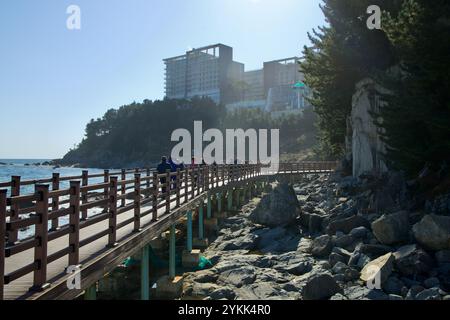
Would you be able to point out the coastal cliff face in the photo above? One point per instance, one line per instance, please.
(344, 229)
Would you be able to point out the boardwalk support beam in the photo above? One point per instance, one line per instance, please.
(145, 280)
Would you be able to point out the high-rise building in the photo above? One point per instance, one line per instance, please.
(208, 71)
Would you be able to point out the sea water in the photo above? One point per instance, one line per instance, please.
(26, 169)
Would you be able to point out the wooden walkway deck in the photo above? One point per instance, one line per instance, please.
(103, 241)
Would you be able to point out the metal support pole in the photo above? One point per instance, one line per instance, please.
(208, 207)
(230, 199)
(189, 231)
(172, 252)
(200, 223)
(219, 202)
(91, 292)
(145, 281)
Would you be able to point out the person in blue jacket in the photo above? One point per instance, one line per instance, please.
(162, 168)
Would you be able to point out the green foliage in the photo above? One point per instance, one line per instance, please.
(409, 57)
(341, 54)
(417, 116)
(139, 133)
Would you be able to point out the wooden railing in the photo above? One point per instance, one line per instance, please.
(147, 192)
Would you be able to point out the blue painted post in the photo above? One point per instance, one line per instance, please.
(208, 207)
(145, 281)
(219, 202)
(200, 223)
(230, 199)
(91, 292)
(172, 252)
(189, 231)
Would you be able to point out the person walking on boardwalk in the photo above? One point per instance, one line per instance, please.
(162, 168)
(173, 179)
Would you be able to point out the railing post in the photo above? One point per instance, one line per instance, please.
(2, 240)
(106, 190)
(148, 181)
(84, 194)
(137, 202)
(200, 222)
(178, 186)
(145, 281)
(112, 212)
(155, 197)
(41, 235)
(189, 231)
(55, 200)
(123, 187)
(74, 221)
(168, 186)
(15, 208)
(186, 185)
(172, 252)
(223, 174)
(195, 181)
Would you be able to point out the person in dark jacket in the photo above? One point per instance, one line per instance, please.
(173, 168)
(162, 168)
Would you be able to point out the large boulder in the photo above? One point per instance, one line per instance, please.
(433, 232)
(412, 261)
(278, 208)
(392, 228)
(321, 246)
(320, 286)
(382, 266)
(347, 224)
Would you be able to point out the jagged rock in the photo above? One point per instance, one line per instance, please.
(374, 250)
(429, 294)
(223, 293)
(339, 267)
(343, 241)
(363, 260)
(382, 266)
(311, 221)
(392, 228)
(338, 296)
(359, 232)
(363, 293)
(262, 291)
(431, 282)
(413, 292)
(238, 277)
(278, 208)
(410, 260)
(443, 256)
(320, 286)
(321, 246)
(433, 232)
(347, 224)
(393, 285)
(335, 258)
(205, 276)
(395, 297)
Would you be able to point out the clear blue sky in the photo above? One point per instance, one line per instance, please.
(54, 80)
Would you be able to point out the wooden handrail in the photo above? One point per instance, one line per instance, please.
(168, 190)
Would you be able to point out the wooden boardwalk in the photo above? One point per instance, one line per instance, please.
(100, 242)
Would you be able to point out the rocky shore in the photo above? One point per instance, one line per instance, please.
(323, 239)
